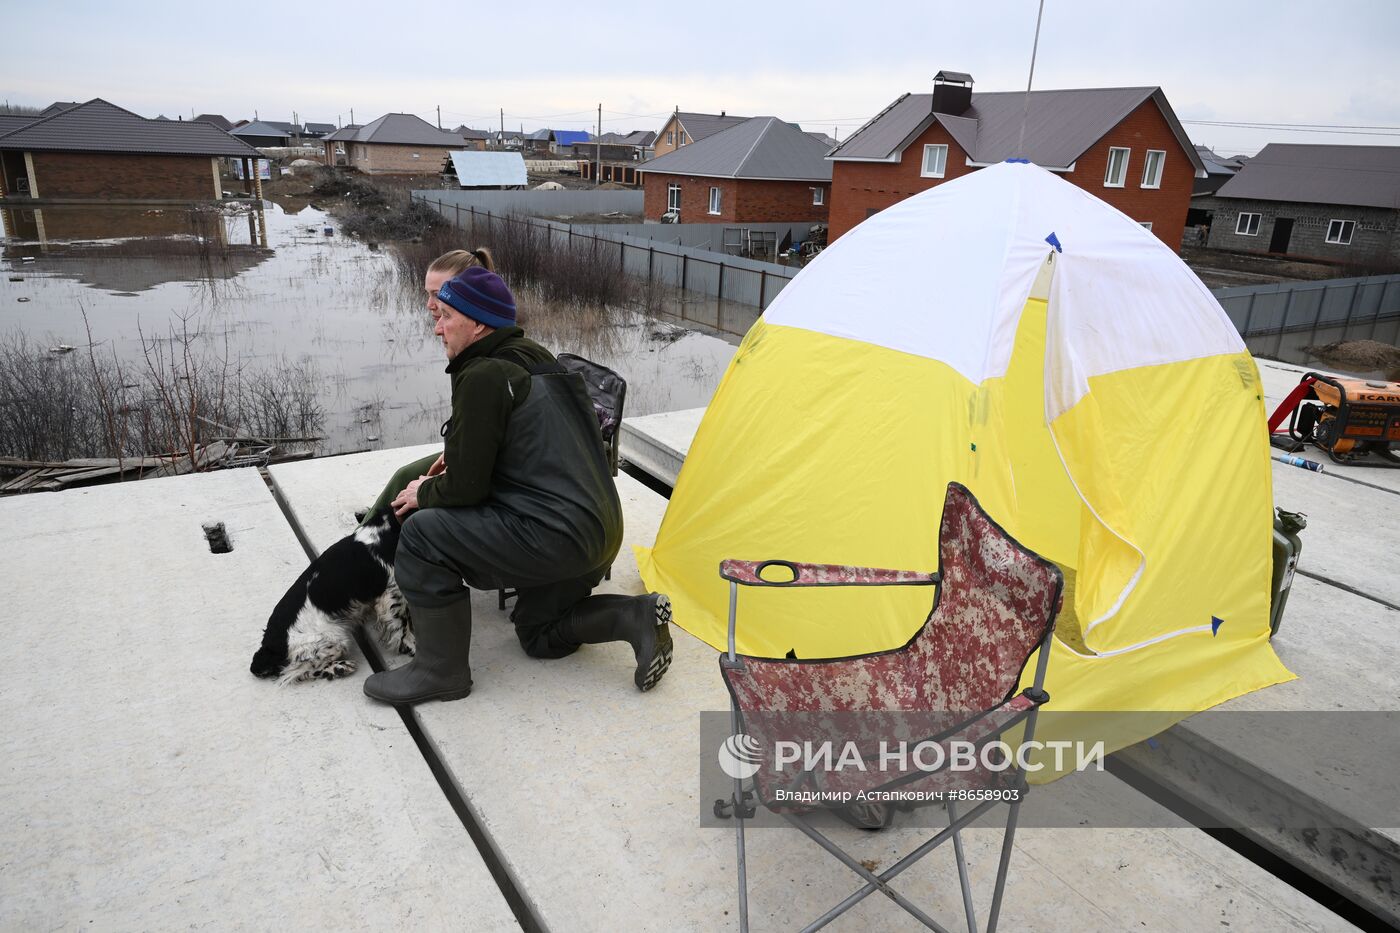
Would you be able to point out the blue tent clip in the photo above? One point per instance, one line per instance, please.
(1055, 242)
(1215, 624)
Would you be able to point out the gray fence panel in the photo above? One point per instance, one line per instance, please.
(539, 203)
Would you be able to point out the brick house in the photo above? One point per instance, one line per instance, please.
(395, 144)
(681, 129)
(474, 140)
(1337, 203)
(1123, 145)
(98, 151)
(760, 171)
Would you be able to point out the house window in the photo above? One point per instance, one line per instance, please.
(1247, 225)
(670, 137)
(1145, 224)
(673, 198)
(1117, 173)
(683, 137)
(818, 196)
(935, 161)
(714, 200)
(1152, 168)
(1340, 231)
(415, 155)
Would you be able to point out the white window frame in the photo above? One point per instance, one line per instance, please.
(1338, 241)
(942, 170)
(670, 137)
(673, 198)
(1242, 225)
(1151, 182)
(714, 199)
(1122, 181)
(682, 137)
(818, 197)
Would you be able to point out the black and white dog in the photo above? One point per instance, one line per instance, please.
(309, 633)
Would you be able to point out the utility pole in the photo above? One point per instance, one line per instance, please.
(598, 172)
(502, 139)
(439, 111)
(352, 114)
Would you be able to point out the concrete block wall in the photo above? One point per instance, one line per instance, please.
(858, 188)
(1376, 237)
(110, 175)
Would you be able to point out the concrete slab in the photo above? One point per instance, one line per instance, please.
(1353, 531)
(657, 444)
(1342, 647)
(589, 792)
(150, 782)
(1281, 378)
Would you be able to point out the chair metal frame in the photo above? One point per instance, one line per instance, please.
(1022, 707)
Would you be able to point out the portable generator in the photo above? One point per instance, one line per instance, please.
(1351, 419)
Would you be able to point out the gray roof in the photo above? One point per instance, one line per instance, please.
(466, 132)
(1060, 125)
(98, 126)
(321, 128)
(823, 138)
(960, 76)
(9, 122)
(704, 125)
(1215, 164)
(58, 107)
(345, 132)
(761, 147)
(642, 138)
(1360, 176)
(540, 135)
(404, 129)
(261, 128)
(215, 119)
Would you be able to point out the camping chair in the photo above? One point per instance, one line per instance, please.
(955, 680)
(608, 391)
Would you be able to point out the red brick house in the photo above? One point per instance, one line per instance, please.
(1123, 145)
(760, 171)
(98, 151)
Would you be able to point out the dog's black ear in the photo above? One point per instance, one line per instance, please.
(266, 663)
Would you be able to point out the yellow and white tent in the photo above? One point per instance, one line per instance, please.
(1009, 331)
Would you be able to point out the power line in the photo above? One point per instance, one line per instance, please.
(1319, 126)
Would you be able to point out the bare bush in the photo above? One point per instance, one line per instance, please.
(182, 393)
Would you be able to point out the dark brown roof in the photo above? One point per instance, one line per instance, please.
(98, 126)
(1060, 125)
(1359, 176)
(215, 119)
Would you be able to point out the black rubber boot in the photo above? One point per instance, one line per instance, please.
(440, 668)
(641, 621)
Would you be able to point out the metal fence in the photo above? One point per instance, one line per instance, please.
(695, 273)
(1281, 319)
(537, 203)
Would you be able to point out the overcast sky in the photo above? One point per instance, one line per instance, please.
(827, 65)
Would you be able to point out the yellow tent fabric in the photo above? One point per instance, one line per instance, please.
(1095, 400)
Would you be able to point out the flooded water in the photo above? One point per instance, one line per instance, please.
(260, 286)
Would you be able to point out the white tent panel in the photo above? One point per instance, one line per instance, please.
(488, 169)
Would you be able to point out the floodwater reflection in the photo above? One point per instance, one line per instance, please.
(329, 302)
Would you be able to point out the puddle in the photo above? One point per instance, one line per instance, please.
(304, 296)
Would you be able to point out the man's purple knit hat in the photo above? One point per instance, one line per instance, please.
(481, 295)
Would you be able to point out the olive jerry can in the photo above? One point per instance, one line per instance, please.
(1287, 546)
